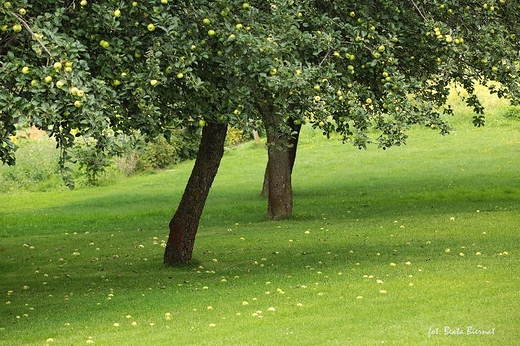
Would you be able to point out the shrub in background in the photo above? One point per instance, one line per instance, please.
(235, 137)
(513, 112)
(159, 153)
(91, 160)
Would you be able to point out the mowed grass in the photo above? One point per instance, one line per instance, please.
(417, 245)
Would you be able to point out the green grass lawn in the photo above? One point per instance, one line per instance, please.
(409, 246)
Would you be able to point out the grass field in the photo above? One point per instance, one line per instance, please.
(417, 245)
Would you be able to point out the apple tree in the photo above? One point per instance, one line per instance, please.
(103, 69)
(383, 66)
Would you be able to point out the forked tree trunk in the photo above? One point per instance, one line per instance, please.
(185, 221)
(280, 196)
(293, 146)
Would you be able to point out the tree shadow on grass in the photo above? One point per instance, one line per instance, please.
(403, 197)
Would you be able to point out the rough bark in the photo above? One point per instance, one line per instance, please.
(185, 221)
(293, 146)
(280, 196)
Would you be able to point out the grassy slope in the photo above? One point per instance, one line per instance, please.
(97, 252)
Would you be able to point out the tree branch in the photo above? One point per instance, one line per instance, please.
(419, 10)
(33, 34)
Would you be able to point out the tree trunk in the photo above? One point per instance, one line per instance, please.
(280, 197)
(185, 221)
(293, 145)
